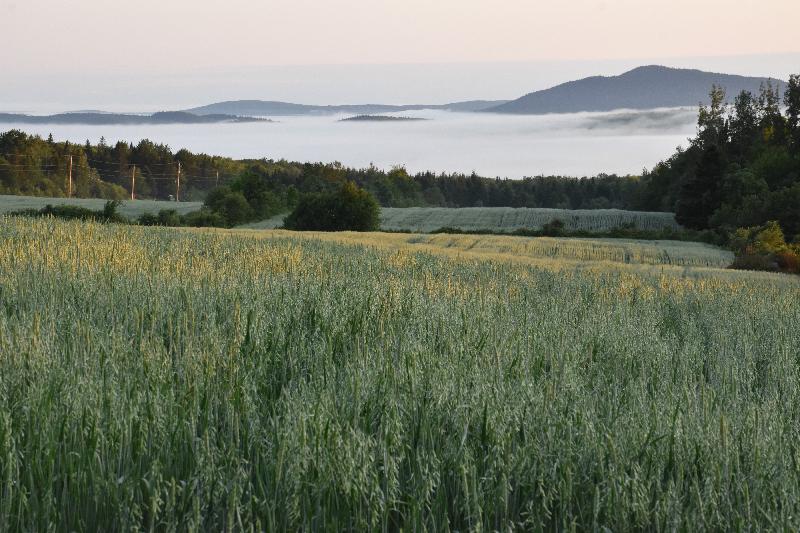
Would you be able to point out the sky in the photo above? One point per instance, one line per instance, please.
(179, 53)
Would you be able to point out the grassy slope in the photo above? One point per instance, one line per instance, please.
(130, 208)
(155, 378)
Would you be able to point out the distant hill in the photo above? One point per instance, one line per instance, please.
(647, 87)
(109, 119)
(380, 118)
(262, 108)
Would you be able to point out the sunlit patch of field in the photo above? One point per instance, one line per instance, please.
(668, 257)
(209, 380)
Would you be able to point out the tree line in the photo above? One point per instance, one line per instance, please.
(30, 165)
(741, 170)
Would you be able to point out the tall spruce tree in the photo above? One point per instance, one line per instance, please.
(792, 102)
(701, 195)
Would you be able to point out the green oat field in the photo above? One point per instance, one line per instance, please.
(183, 380)
(507, 219)
(128, 208)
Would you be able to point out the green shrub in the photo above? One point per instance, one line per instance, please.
(255, 190)
(348, 209)
(554, 228)
(109, 213)
(165, 217)
(203, 218)
(764, 248)
(231, 206)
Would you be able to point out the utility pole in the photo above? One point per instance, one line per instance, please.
(133, 183)
(69, 174)
(178, 184)
(216, 183)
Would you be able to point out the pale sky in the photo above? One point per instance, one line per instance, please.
(184, 40)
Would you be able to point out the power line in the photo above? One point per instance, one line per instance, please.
(28, 166)
(31, 171)
(98, 161)
(148, 175)
(109, 176)
(92, 160)
(173, 179)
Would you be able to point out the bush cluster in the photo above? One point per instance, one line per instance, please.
(109, 212)
(347, 209)
(765, 248)
(557, 228)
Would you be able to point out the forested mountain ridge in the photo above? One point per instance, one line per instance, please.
(646, 87)
(272, 108)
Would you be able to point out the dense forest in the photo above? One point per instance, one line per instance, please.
(742, 169)
(30, 165)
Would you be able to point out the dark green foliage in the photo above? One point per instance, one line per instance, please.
(165, 217)
(148, 219)
(73, 212)
(348, 209)
(743, 125)
(625, 232)
(700, 196)
(230, 205)
(784, 206)
(711, 124)
(30, 165)
(742, 170)
(36, 167)
(765, 248)
(202, 218)
(254, 187)
(792, 102)
(554, 228)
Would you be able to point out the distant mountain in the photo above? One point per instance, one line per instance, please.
(113, 119)
(647, 87)
(263, 108)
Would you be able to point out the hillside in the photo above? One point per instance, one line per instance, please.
(271, 108)
(646, 87)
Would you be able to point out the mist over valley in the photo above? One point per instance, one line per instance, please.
(575, 144)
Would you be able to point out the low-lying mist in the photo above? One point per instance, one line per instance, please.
(578, 144)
